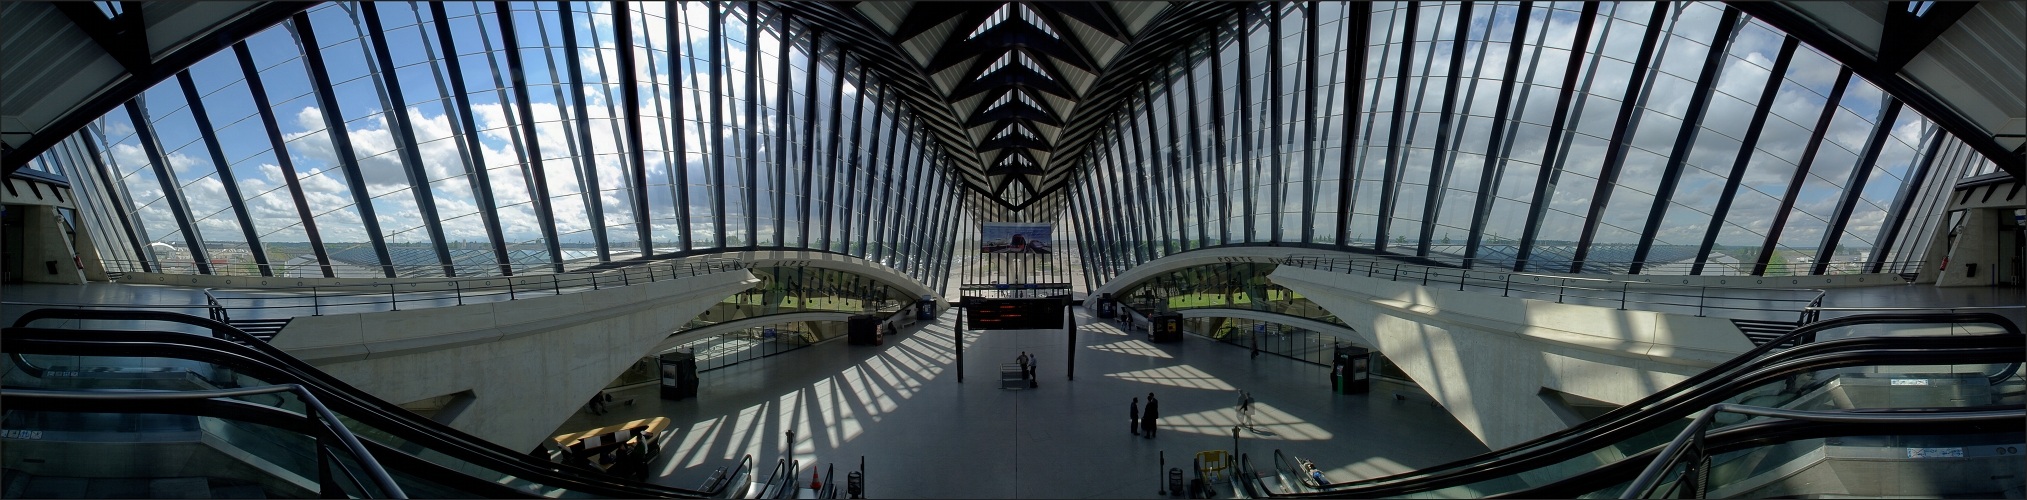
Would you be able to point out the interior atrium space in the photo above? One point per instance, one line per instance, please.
(852, 249)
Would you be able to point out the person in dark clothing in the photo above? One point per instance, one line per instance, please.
(1032, 383)
(1133, 416)
(1147, 416)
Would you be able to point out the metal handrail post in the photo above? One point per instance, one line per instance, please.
(1622, 295)
(316, 302)
(1702, 294)
(458, 289)
(392, 301)
(1506, 288)
(1562, 289)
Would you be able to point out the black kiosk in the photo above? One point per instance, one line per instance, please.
(1351, 370)
(679, 375)
(925, 309)
(1165, 327)
(1107, 308)
(865, 329)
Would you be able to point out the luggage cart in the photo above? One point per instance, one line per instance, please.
(1011, 376)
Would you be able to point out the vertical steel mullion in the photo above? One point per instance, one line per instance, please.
(1497, 142)
(680, 183)
(1138, 175)
(576, 139)
(1104, 189)
(1550, 161)
(1615, 148)
(1276, 185)
(1445, 126)
(781, 131)
(753, 191)
(869, 170)
(1903, 201)
(1128, 218)
(1801, 175)
(404, 137)
(1177, 195)
(809, 119)
(341, 142)
(1218, 142)
(171, 189)
(899, 203)
(716, 32)
(482, 186)
(1747, 144)
(908, 235)
(1357, 43)
(1310, 46)
(877, 218)
(852, 170)
(636, 155)
(225, 177)
(1854, 186)
(1395, 151)
(831, 161)
(1199, 200)
(1247, 161)
(538, 185)
(1692, 125)
(1162, 182)
(119, 209)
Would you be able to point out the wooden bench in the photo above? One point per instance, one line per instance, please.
(592, 443)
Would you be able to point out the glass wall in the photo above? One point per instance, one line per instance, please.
(461, 138)
(1677, 138)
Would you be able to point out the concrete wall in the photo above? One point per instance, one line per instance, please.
(1487, 358)
(530, 363)
(1976, 246)
(44, 240)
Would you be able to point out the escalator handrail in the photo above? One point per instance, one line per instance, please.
(219, 329)
(1675, 450)
(1530, 454)
(323, 416)
(1762, 433)
(257, 357)
(1725, 370)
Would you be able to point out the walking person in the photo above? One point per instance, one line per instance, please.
(1246, 409)
(1133, 416)
(1023, 360)
(1032, 383)
(1150, 415)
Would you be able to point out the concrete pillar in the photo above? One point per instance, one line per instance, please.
(46, 253)
(1974, 256)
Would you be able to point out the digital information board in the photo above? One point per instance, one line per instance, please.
(1014, 314)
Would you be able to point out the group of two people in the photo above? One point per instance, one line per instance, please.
(1027, 362)
(1143, 419)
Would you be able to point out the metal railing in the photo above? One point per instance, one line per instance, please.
(375, 297)
(254, 270)
(1667, 268)
(1688, 446)
(1624, 294)
(318, 414)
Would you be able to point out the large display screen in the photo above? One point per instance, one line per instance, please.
(1011, 237)
(1014, 314)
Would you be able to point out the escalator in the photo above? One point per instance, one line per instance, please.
(1859, 375)
(421, 456)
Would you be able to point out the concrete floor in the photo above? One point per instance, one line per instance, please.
(923, 434)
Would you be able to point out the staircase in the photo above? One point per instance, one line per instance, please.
(1762, 331)
(264, 329)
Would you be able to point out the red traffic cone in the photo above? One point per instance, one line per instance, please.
(814, 482)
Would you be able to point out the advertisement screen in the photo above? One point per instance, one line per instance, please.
(1009, 237)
